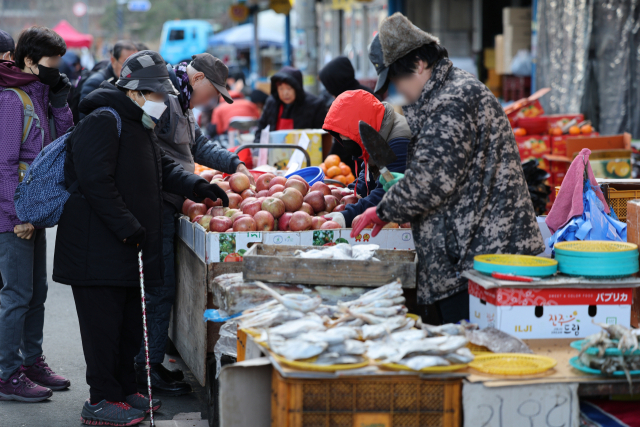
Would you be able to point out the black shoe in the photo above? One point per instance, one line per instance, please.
(161, 385)
(174, 374)
(141, 403)
(110, 414)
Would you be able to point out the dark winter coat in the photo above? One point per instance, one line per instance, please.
(338, 76)
(464, 190)
(121, 182)
(307, 111)
(95, 80)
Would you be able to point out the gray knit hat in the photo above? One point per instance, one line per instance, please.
(398, 37)
(146, 70)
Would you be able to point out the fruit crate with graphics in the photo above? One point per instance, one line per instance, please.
(389, 401)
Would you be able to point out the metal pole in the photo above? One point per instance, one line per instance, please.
(120, 19)
(307, 24)
(146, 337)
(287, 40)
(255, 50)
(85, 18)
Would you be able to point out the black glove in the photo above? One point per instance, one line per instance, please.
(205, 190)
(59, 93)
(137, 238)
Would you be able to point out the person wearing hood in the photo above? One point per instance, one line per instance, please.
(178, 134)
(463, 191)
(342, 122)
(31, 84)
(289, 106)
(116, 212)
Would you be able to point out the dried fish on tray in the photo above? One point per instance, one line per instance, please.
(497, 341)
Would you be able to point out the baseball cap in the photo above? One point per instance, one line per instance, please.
(6, 42)
(215, 71)
(377, 59)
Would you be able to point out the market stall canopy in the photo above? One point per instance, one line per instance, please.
(241, 37)
(71, 36)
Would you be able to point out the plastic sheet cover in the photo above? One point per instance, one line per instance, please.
(616, 41)
(564, 28)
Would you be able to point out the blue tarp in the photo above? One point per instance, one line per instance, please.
(241, 37)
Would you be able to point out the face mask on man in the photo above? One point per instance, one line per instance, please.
(153, 108)
(47, 75)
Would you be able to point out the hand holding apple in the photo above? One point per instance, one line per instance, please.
(211, 191)
(244, 170)
(369, 216)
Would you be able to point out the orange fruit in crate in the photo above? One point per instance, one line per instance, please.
(350, 178)
(341, 178)
(556, 132)
(586, 129)
(574, 130)
(323, 167)
(519, 132)
(346, 170)
(333, 171)
(332, 160)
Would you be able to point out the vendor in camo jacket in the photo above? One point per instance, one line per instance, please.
(463, 189)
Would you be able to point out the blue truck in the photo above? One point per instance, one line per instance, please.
(181, 39)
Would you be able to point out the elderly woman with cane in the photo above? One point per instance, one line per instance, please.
(115, 213)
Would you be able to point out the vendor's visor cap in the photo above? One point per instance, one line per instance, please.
(215, 71)
(146, 70)
(376, 58)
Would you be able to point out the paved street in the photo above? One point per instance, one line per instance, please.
(63, 349)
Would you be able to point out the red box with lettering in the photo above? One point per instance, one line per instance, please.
(537, 313)
(534, 147)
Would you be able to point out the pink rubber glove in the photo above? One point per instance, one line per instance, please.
(369, 216)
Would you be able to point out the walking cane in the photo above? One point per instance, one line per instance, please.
(146, 336)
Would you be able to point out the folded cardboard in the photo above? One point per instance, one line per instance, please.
(531, 313)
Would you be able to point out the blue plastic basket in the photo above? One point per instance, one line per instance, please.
(311, 174)
(592, 267)
(520, 265)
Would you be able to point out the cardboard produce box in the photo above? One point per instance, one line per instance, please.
(529, 313)
(516, 16)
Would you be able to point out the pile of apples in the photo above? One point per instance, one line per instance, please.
(275, 203)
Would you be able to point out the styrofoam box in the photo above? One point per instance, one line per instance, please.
(548, 313)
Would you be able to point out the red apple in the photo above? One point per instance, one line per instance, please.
(229, 230)
(245, 224)
(277, 188)
(239, 182)
(263, 193)
(224, 185)
(278, 180)
(204, 221)
(220, 224)
(299, 185)
(283, 221)
(234, 200)
(329, 225)
(357, 218)
(218, 175)
(197, 218)
(186, 205)
(330, 203)
(196, 209)
(231, 212)
(263, 181)
(321, 186)
(245, 201)
(208, 175)
(349, 200)
(316, 200)
(277, 195)
(264, 221)
(339, 208)
(274, 206)
(292, 199)
(216, 211)
(405, 225)
(248, 193)
(261, 199)
(210, 203)
(300, 221)
(306, 207)
(322, 213)
(316, 222)
(252, 207)
(238, 216)
(337, 194)
(392, 225)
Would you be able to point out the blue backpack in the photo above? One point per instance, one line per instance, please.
(40, 197)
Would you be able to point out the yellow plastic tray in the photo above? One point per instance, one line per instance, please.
(308, 365)
(595, 246)
(512, 364)
(432, 369)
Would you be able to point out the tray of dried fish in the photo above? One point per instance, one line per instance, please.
(513, 364)
(605, 366)
(339, 265)
(417, 360)
(324, 364)
(609, 351)
(612, 340)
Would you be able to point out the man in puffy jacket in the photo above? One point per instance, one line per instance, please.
(342, 122)
(463, 190)
(197, 82)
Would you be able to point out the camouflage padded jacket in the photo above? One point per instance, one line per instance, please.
(463, 191)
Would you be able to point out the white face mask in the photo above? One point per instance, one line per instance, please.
(153, 108)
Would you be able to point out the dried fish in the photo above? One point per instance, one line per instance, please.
(326, 359)
(268, 318)
(386, 302)
(381, 349)
(388, 291)
(296, 327)
(497, 341)
(600, 340)
(384, 328)
(627, 340)
(449, 329)
(460, 356)
(437, 346)
(348, 347)
(297, 302)
(381, 311)
(340, 251)
(408, 335)
(297, 349)
(418, 363)
(331, 336)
